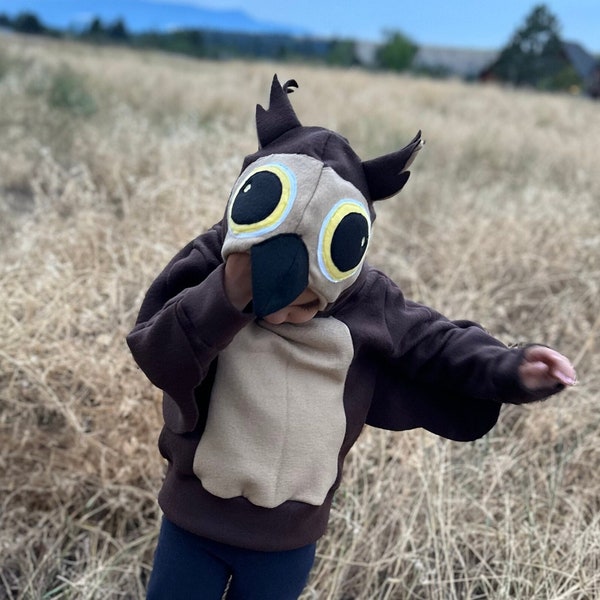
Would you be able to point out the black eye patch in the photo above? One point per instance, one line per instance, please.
(257, 199)
(349, 242)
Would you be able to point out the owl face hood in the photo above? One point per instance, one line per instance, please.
(303, 206)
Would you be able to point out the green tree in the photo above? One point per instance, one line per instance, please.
(27, 22)
(534, 55)
(397, 52)
(117, 31)
(96, 28)
(341, 53)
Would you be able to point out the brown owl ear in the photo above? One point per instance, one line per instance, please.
(386, 175)
(280, 117)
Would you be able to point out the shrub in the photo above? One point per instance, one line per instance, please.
(68, 91)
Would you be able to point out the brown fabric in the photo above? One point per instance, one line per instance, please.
(281, 134)
(270, 415)
(280, 131)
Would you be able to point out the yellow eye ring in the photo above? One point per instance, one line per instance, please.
(357, 246)
(275, 209)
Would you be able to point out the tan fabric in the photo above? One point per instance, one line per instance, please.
(318, 189)
(276, 420)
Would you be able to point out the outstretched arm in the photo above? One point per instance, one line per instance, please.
(543, 367)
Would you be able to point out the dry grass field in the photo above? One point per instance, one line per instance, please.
(111, 160)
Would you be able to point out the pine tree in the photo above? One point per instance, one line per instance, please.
(534, 54)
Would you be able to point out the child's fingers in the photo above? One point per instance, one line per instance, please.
(561, 368)
(547, 364)
(564, 378)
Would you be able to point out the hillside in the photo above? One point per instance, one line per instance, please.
(111, 160)
(144, 15)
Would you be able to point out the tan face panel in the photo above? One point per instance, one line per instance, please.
(310, 200)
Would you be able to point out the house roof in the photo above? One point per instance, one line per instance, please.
(581, 60)
(366, 52)
(457, 61)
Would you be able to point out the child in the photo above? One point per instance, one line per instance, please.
(274, 342)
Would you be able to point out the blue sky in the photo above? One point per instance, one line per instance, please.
(467, 23)
(486, 24)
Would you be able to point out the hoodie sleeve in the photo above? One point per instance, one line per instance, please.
(449, 377)
(185, 320)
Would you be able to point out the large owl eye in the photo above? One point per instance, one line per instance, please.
(343, 240)
(262, 201)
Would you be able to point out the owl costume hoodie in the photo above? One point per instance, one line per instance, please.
(258, 418)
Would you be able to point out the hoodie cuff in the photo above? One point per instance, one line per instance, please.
(508, 382)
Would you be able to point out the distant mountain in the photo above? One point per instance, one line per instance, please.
(144, 15)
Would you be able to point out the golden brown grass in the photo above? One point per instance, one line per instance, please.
(111, 160)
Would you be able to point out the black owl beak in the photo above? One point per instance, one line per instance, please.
(279, 272)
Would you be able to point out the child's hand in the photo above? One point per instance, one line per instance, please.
(544, 368)
(238, 279)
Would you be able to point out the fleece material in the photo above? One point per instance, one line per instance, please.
(314, 200)
(261, 439)
(409, 367)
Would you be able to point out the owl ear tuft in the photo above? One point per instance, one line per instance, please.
(280, 116)
(387, 175)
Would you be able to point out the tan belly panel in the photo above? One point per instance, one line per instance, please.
(276, 419)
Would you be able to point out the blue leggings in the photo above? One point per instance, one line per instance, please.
(188, 567)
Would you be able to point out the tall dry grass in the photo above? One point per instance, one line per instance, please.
(111, 160)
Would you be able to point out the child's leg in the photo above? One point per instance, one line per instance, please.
(184, 569)
(270, 575)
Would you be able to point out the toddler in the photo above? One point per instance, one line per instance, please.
(274, 343)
